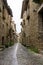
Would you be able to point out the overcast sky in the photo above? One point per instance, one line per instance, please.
(16, 6)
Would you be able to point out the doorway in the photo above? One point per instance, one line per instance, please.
(2, 40)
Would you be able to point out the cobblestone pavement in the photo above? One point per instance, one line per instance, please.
(28, 58)
(8, 56)
(18, 55)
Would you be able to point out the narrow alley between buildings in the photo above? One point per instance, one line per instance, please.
(21, 32)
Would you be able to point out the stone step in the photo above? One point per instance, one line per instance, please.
(2, 47)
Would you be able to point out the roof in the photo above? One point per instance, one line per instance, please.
(8, 7)
(24, 7)
(40, 8)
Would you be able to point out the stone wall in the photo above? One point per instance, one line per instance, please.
(32, 25)
(5, 22)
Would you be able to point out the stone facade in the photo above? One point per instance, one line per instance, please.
(33, 18)
(19, 38)
(13, 32)
(5, 22)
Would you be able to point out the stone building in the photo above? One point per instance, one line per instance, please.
(32, 15)
(5, 22)
(24, 29)
(19, 37)
(13, 32)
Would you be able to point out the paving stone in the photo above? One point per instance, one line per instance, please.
(19, 55)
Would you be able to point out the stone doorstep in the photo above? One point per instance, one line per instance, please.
(2, 47)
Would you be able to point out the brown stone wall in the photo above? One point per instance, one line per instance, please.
(33, 25)
(5, 20)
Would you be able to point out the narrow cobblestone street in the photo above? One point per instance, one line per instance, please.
(21, 32)
(18, 55)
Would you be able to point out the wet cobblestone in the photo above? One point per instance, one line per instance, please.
(8, 56)
(26, 57)
(19, 55)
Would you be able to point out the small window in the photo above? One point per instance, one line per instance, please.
(7, 24)
(42, 22)
(24, 22)
(3, 17)
(3, 7)
(28, 17)
(3, 25)
(0, 25)
(24, 34)
(2, 40)
(34, 10)
(0, 9)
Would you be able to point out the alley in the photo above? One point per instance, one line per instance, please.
(18, 55)
(21, 26)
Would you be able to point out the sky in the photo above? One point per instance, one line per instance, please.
(16, 6)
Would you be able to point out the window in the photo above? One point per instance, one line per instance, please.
(0, 25)
(3, 7)
(42, 21)
(3, 18)
(0, 9)
(28, 17)
(24, 34)
(2, 40)
(24, 22)
(34, 10)
(36, 1)
(3, 14)
(3, 25)
(7, 24)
